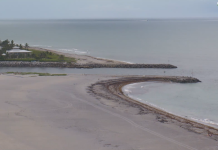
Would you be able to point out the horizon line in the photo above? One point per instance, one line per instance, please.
(108, 18)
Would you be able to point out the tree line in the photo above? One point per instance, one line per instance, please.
(8, 45)
(34, 55)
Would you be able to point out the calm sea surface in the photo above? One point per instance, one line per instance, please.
(189, 44)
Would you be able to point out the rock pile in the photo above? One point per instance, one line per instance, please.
(86, 66)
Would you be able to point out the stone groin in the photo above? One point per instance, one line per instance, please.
(85, 66)
(111, 90)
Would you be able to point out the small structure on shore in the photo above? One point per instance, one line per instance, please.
(17, 51)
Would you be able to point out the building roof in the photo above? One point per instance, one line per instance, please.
(15, 47)
(18, 51)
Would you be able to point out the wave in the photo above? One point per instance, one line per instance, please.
(66, 50)
(127, 91)
(128, 62)
(150, 104)
(74, 51)
(35, 45)
(43, 46)
(116, 60)
(205, 121)
(77, 51)
(80, 52)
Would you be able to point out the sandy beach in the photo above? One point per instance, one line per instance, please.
(83, 59)
(54, 113)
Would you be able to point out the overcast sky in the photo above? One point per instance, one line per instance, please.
(76, 9)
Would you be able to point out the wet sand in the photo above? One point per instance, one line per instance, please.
(54, 113)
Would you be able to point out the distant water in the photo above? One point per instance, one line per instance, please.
(189, 44)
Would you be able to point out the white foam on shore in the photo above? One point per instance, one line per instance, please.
(35, 45)
(115, 60)
(127, 91)
(146, 102)
(74, 51)
(205, 121)
(66, 50)
(41, 46)
(80, 52)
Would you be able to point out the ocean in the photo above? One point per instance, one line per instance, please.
(189, 44)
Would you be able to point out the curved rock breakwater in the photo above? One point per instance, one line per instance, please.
(112, 90)
(85, 66)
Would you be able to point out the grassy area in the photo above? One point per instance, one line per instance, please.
(50, 57)
(36, 55)
(41, 56)
(35, 73)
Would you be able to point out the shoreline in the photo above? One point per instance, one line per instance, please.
(83, 59)
(44, 107)
(113, 88)
(212, 124)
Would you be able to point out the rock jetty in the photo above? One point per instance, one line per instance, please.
(111, 90)
(85, 66)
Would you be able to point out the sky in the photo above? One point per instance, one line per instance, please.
(103, 9)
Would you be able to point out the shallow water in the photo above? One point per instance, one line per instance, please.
(185, 100)
(189, 44)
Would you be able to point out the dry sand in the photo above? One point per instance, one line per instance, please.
(83, 59)
(57, 113)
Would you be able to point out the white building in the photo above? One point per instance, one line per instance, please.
(17, 51)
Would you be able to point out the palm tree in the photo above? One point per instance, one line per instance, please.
(5, 44)
(61, 57)
(21, 46)
(26, 46)
(12, 43)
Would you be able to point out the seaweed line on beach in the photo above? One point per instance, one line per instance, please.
(112, 90)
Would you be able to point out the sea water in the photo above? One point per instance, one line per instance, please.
(189, 44)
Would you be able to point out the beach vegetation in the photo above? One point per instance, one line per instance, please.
(36, 55)
(46, 56)
(21, 46)
(61, 57)
(6, 45)
(12, 43)
(35, 73)
(26, 46)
